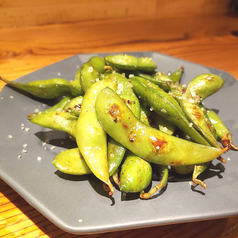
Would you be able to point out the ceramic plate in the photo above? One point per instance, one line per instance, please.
(78, 204)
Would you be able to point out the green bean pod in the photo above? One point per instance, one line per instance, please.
(71, 162)
(165, 105)
(90, 136)
(146, 142)
(135, 175)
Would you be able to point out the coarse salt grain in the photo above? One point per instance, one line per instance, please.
(37, 110)
(27, 129)
(190, 124)
(10, 136)
(19, 156)
(80, 220)
(25, 145)
(44, 143)
(24, 151)
(163, 110)
(52, 147)
(59, 74)
(39, 158)
(11, 97)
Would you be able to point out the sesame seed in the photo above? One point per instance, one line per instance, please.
(10, 136)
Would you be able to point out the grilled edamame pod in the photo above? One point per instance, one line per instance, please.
(165, 105)
(222, 131)
(146, 142)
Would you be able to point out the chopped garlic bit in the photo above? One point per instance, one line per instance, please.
(44, 143)
(190, 124)
(52, 147)
(39, 158)
(1, 97)
(151, 109)
(97, 79)
(37, 110)
(90, 69)
(10, 136)
(59, 74)
(163, 110)
(11, 97)
(119, 88)
(228, 158)
(19, 156)
(80, 220)
(157, 147)
(131, 75)
(27, 129)
(24, 151)
(25, 145)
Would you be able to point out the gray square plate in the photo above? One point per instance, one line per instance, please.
(78, 204)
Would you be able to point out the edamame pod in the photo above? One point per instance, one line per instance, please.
(176, 75)
(116, 151)
(164, 173)
(165, 105)
(47, 89)
(222, 131)
(74, 106)
(135, 175)
(146, 142)
(203, 86)
(71, 162)
(90, 136)
(56, 120)
(196, 116)
(130, 62)
(90, 72)
(57, 107)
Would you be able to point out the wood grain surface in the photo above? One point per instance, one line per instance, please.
(204, 34)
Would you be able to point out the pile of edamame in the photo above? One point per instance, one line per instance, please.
(130, 121)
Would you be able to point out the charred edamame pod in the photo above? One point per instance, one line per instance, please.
(146, 142)
(165, 105)
(222, 131)
(74, 106)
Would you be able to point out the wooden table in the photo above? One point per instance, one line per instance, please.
(211, 40)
